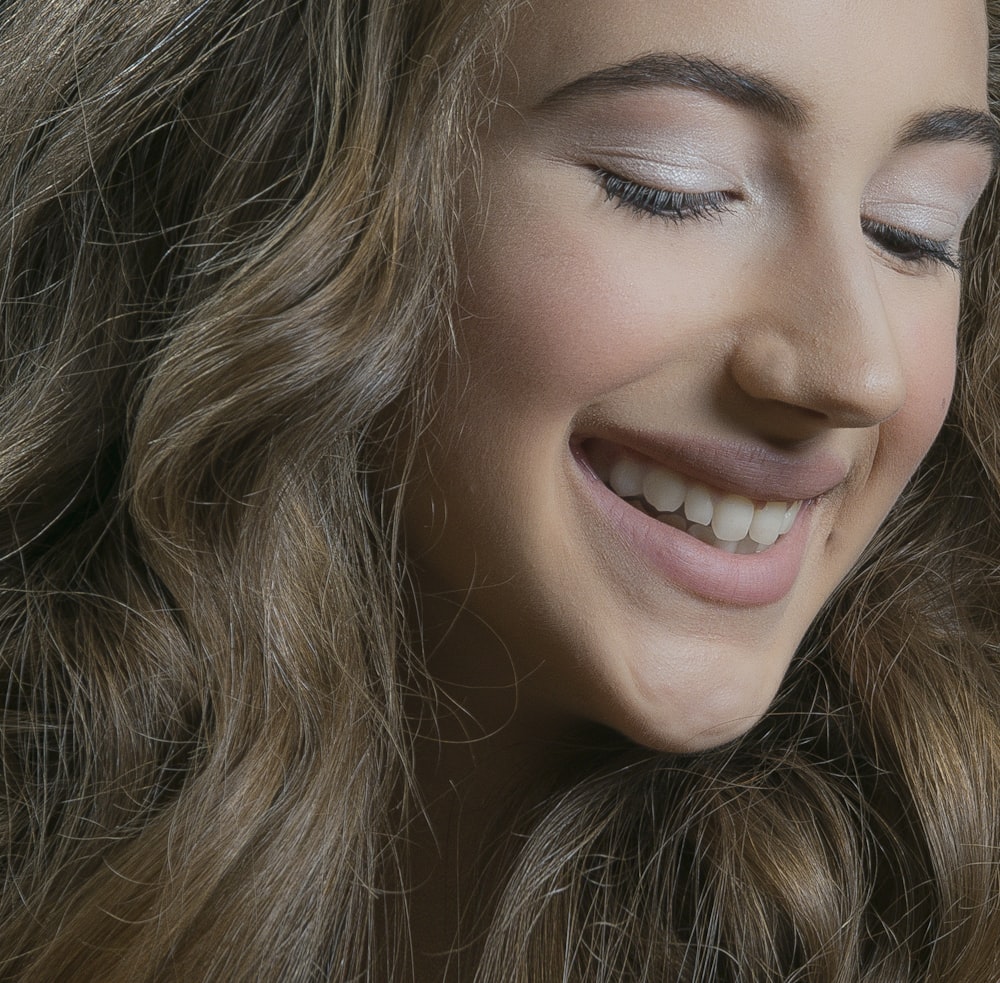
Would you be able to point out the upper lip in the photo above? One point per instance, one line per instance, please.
(742, 467)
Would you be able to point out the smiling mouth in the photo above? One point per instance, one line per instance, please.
(728, 522)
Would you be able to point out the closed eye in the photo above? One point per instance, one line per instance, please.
(673, 205)
(910, 248)
(900, 244)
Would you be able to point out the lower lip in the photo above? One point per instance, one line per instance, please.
(752, 580)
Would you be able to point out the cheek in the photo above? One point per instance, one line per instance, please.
(929, 366)
(543, 306)
(928, 354)
(565, 295)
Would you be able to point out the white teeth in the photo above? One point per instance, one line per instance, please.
(789, 520)
(663, 490)
(766, 525)
(626, 477)
(732, 518)
(732, 523)
(698, 505)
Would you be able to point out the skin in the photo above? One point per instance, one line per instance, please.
(781, 323)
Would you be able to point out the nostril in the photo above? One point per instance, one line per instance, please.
(853, 380)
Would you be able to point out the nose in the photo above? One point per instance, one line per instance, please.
(820, 347)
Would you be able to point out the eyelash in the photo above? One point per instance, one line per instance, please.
(678, 206)
(910, 247)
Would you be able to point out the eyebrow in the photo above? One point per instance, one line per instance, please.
(761, 95)
(946, 125)
(660, 70)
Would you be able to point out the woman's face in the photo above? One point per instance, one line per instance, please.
(709, 298)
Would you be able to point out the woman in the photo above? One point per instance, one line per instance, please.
(431, 432)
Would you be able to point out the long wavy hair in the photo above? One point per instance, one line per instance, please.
(226, 285)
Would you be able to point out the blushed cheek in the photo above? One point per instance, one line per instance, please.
(570, 301)
(544, 306)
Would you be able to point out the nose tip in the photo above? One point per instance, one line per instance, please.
(851, 381)
(822, 335)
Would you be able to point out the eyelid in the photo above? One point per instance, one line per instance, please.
(916, 232)
(922, 219)
(665, 203)
(909, 251)
(681, 170)
(912, 251)
(941, 182)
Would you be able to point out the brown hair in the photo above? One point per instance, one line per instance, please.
(227, 280)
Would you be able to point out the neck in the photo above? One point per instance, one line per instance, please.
(475, 798)
(484, 757)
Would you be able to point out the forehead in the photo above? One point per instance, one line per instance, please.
(911, 54)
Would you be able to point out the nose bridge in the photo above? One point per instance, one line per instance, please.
(824, 341)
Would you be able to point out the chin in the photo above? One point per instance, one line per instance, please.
(690, 735)
(669, 711)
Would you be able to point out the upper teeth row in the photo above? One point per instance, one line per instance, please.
(732, 517)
